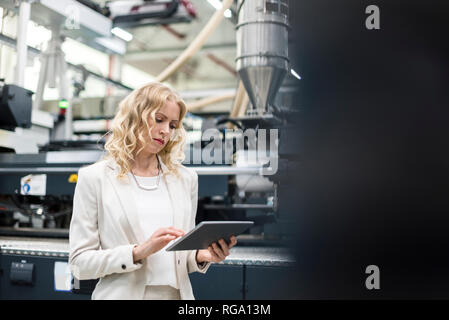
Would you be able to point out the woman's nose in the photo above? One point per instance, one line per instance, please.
(165, 129)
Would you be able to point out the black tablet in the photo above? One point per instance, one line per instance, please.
(207, 232)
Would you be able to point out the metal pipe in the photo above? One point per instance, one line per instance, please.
(28, 170)
(215, 170)
(22, 28)
(196, 44)
(226, 170)
(246, 206)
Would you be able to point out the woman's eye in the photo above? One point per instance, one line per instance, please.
(159, 120)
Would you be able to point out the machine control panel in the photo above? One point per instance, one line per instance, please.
(22, 273)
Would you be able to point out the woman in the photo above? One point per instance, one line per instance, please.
(130, 205)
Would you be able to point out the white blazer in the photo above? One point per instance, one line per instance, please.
(105, 228)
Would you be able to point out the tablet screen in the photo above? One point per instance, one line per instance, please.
(207, 232)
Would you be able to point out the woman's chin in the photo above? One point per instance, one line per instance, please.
(155, 149)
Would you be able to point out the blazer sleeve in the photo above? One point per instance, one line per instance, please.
(86, 258)
(192, 264)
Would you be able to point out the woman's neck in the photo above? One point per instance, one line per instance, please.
(145, 165)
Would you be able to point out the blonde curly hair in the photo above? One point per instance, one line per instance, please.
(131, 121)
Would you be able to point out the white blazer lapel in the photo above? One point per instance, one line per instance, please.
(124, 193)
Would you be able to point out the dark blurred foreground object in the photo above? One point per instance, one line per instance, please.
(375, 176)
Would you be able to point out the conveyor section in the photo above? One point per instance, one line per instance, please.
(260, 256)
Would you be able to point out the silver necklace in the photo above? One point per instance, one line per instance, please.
(149, 188)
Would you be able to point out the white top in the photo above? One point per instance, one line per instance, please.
(155, 211)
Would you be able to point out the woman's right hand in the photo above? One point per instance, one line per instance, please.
(159, 239)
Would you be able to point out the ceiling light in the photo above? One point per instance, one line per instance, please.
(217, 5)
(293, 72)
(228, 13)
(122, 34)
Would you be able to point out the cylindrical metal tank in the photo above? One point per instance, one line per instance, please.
(262, 50)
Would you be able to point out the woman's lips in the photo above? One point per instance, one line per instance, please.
(161, 142)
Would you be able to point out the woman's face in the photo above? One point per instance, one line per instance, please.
(166, 121)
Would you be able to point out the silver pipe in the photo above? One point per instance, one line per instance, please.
(218, 170)
(22, 27)
(246, 206)
(39, 170)
(226, 170)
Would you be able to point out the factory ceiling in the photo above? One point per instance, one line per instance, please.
(154, 47)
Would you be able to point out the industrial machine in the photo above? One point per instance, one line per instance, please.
(15, 107)
(262, 63)
(243, 162)
(139, 12)
(266, 190)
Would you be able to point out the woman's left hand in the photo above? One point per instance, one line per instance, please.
(216, 252)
